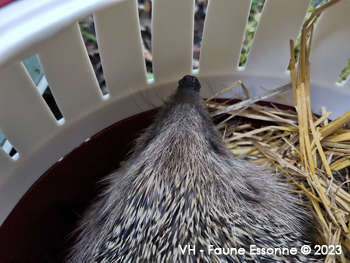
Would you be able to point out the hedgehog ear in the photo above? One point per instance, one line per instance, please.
(213, 145)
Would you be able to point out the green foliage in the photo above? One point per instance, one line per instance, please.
(345, 73)
(254, 16)
(84, 32)
(89, 35)
(149, 75)
(313, 5)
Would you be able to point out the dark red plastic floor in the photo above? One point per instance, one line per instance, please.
(38, 229)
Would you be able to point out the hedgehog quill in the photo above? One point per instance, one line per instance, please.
(183, 193)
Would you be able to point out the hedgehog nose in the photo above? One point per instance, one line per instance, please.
(190, 83)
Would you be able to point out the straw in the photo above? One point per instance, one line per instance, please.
(311, 152)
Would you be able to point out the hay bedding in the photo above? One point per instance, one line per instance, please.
(310, 151)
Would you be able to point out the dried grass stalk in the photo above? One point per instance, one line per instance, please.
(313, 153)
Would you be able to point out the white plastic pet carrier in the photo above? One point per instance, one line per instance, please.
(49, 28)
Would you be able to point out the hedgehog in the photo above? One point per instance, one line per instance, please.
(182, 194)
